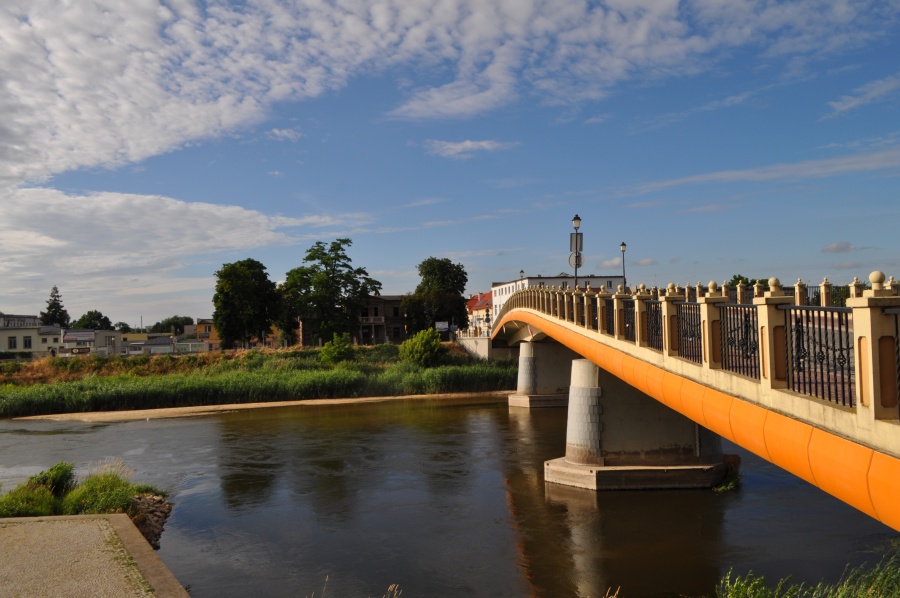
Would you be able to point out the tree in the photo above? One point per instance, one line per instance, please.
(245, 303)
(172, 323)
(439, 297)
(123, 327)
(56, 314)
(329, 293)
(93, 320)
(740, 278)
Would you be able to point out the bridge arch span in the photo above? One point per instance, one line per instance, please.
(863, 477)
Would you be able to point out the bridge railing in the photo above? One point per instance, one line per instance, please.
(765, 334)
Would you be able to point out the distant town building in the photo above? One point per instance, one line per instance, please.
(480, 310)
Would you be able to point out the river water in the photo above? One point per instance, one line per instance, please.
(444, 499)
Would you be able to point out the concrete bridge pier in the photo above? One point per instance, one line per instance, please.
(543, 375)
(622, 439)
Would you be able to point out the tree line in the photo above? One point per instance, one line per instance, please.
(57, 315)
(327, 293)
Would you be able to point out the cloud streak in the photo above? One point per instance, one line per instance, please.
(463, 150)
(92, 83)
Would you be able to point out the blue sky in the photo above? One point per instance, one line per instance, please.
(144, 144)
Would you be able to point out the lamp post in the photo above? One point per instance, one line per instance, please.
(575, 246)
(624, 284)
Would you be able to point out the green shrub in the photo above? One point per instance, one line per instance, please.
(106, 490)
(339, 349)
(24, 501)
(424, 349)
(59, 479)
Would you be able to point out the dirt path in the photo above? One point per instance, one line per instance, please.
(123, 416)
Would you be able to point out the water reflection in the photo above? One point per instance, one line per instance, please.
(445, 500)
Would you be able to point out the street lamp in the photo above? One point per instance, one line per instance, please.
(624, 284)
(575, 246)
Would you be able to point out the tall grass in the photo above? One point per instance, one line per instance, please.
(861, 582)
(158, 382)
(106, 489)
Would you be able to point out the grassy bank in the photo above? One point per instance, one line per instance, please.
(862, 582)
(106, 489)
(102, 384)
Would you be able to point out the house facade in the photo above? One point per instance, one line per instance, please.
(480, 309)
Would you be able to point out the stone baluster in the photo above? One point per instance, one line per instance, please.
(711, 320)
(874, 334)
(772, 339)
(825, 293)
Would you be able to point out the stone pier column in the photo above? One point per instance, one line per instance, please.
(527, 381)
(583, 423)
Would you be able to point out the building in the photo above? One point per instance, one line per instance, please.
(382, 320)
(501, 291)
(480, 309)
(13, 321)
(40, 341)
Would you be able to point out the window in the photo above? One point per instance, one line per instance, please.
(26, 342)
(375, 312)
(43, 340)
(396, 312)
(207, 328)
(11, 343)
(55, 339)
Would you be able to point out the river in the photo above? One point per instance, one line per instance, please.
(442, 498)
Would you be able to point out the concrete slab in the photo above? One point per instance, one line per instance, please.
(600, 477)
(539, 401)
(85, 555)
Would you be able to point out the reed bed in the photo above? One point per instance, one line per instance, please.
(255, 376)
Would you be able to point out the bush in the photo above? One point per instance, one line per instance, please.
(59, 479)
(424, 349)
(24, 501)
(108, 489)
(340, 348)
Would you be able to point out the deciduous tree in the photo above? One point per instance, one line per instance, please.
(439, 297)
(245, 303)
(328, 293)
(93, 320)
(176, 323)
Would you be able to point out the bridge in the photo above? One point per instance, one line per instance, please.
(659, 375)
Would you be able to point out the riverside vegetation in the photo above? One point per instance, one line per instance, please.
(422, 365)
(107, 488)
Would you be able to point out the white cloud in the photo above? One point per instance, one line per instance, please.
(113, 244)
(865, 94)
(461, 150)
(285, 134)
(842, 247)
(789, 171)
(96, 83)
(649, 261)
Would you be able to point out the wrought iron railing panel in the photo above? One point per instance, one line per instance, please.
(820, 352)
(690, 343)
(610, 305)
(654, 325)
(628, 319)
(740, 339)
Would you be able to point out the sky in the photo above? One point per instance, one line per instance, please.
(146, 143)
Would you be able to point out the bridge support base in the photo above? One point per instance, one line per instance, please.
(623, 477)
(618, 438)
(534, 401)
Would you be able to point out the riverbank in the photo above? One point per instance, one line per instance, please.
(172, 412)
